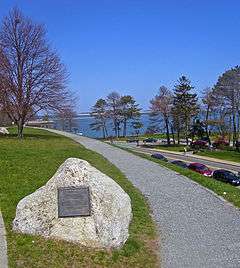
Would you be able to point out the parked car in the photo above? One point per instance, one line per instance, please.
(198, 144)
(150, 140)
(159, 156)
(201, 168)
(132, 140)
(220, 143)
(180, 163)
(226, 176)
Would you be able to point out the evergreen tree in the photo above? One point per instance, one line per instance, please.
(185, 103)
(129, 111)
(99, 112)
(137, 125)
(197, 129)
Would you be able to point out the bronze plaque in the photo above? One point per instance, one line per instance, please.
(73, 202)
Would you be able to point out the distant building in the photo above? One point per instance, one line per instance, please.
(40, 123)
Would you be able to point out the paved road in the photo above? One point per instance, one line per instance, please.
(3, 245)
(186, 158)
(197, 229)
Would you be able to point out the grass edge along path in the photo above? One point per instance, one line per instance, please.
(224, 190)
(29, 164)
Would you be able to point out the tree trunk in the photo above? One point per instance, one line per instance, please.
(178, 136)
(115, 128)
(124, 128)
(167, 131)
(173, 136)
(234, 127)
(206, 125)
(238, 125)
(105, 129)
(186, 134)
(20, 129)
(118, 129)
(230, 129)
(103, 132)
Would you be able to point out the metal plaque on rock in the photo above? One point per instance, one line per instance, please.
(73, 202)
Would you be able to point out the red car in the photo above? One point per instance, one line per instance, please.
(198, 144)
(201, 168)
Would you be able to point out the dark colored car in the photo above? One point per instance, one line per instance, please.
(226, 176)
(201, 168)
(150, 140)
(159, 156)
(180, 163)
(132, 140)
(198, 144)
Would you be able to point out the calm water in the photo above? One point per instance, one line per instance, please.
(82, 124)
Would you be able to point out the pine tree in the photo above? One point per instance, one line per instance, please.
(99, 112)
(185, 104)
(129, 110)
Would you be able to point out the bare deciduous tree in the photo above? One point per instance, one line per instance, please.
(32, 77)
(228, 89)
(66, 116)
(209, 103)
(162, 104)
(114, 111)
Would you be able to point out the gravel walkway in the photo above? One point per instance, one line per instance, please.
(197, 229)
(3, 245)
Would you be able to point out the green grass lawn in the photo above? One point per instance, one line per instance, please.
(28, 164)
(229, 155)
(224, 154)
(227, 191)
(140, 137)
(172, 148)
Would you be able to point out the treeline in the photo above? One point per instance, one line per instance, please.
(178, 112)
(186, 115)
(116, 111)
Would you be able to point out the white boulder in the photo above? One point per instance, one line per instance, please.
(106, 227)
(3, 131)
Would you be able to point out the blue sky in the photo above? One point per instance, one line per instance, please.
(134, 47)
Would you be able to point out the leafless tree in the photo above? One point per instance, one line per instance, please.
(162, 104)
(66, 116)
(227, 89)
(114, 111)
(32, 77)
(209, 101)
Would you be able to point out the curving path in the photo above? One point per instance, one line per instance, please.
(3, 244)
(197, 228)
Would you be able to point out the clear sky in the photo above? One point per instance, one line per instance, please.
(134, 47)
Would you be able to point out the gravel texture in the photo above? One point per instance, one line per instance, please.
(197, 229)
(3, 245)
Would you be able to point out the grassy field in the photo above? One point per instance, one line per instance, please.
(140, 137)
(227, 191)
(27, 165)
(229, 155)
(224, 154)
(172, 148)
